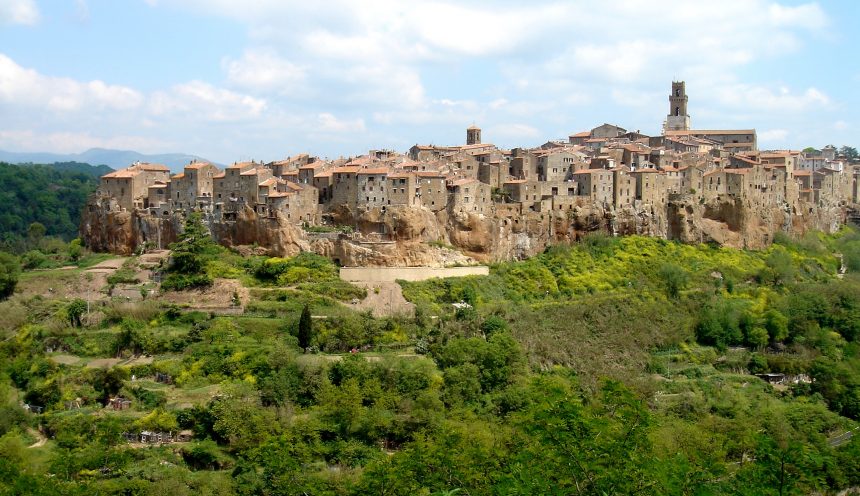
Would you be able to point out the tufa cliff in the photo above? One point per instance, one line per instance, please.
(417, 236)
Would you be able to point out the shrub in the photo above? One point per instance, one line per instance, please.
(179, 282)
(674, 278)
(9, 271)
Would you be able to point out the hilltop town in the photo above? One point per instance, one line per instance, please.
(418, 207)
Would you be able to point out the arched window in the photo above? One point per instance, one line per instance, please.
(677, 111)
(677, 92)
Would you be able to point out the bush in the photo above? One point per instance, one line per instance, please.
(674, 278)
(179, 282)
(9, 271)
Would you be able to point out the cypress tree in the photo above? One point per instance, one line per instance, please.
(306, 328)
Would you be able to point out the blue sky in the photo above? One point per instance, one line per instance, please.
(263, 79)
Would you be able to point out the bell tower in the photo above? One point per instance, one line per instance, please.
(473, 135)
(678, 119)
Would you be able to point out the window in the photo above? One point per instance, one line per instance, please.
(677, 111)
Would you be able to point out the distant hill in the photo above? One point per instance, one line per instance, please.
(116, 159)
(92, 170)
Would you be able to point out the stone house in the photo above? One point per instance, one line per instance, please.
(597, 184)
(401, 187)
(193, 188)
(523, 164)
(322, 181)
(371, 187)
(157, 195)
(432, 190)
(227, 186)
(130, 186)
(470, 196)
(607, 131)
(673, 180)
(307, 172)
(344, 186)
(732, 140)
(298, 203)
(579, 138)
(492, 172)
(650, 186)
(714, 184)
(623, 187)
(555, 165)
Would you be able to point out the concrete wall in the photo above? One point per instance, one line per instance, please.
(383, 274)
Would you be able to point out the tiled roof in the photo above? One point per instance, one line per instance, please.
(709, 131)
(373, 170)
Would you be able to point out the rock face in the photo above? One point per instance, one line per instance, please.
(417, 236)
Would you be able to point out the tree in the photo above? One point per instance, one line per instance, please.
(306, 328)
(36, 231)
(674, 278)
(75, 250)
(779, 268)
(75, 310)
(190, 254)
(9, 271)
(849, 152)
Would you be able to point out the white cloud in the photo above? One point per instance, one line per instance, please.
(26, 87)
(18, 12)
(198, 99)
(631, 97)
(329, 123)
(82, 10)
(774, 100)
(263, 69)
(74, 142)
(515, 132)
(773, 135)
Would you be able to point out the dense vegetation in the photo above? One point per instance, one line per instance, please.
(614, 366)
(51, 195)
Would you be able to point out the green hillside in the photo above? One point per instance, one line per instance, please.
(614, 366)
(51, 195)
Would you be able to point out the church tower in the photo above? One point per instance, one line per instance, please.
(473, 135)
(678, 120)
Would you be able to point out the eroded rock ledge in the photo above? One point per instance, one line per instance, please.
(417, 236)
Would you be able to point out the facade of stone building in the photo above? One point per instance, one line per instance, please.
(401, 187)
(193, 188)
(371, 187)
(432, 190)
(130, 186)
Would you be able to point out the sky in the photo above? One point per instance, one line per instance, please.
(237, 80)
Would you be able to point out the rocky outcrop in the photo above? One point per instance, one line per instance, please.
(738, 223)
(106, 227)
(417, 236)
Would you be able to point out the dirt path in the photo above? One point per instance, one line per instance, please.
(64, 359)
(40, 438)
(383, 299)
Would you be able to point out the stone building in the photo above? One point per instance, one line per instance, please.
(470, 196)
(371, 187)
(401, 188)
(130, 186)
(597, 184)
(193, 188)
